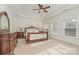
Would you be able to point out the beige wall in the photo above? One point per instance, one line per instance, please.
(59, 19)
(16, 23)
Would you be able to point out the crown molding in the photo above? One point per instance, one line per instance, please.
(62, 10)
(49, 15)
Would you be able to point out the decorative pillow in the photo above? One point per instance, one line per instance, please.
(35, 30)
(32, 30)
(29, 30)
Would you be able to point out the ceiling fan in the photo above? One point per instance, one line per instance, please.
(42, 8)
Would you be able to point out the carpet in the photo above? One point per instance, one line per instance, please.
(59, 50)
(38, 43)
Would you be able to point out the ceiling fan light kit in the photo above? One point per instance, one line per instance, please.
(41, 10)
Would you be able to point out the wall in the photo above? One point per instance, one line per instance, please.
(18, 22)
(59, 19)
(2, 7)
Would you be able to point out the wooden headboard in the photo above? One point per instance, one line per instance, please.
(31, 27)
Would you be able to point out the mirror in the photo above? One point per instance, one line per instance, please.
(70, 27)
(4, 22)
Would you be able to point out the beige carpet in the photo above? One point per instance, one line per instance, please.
(49, 47)
(59, 50)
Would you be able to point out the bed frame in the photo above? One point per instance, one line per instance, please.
(29, 34)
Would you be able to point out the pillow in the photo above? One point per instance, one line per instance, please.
(29, 30)
(35, 30)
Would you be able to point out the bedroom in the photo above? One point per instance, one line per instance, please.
(59, 27)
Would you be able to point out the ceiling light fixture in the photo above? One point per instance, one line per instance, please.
(41, 10)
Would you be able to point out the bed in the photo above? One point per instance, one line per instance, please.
(33, 34)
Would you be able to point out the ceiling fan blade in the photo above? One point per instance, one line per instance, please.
(45, 10)
(46, 7)
(40, 6)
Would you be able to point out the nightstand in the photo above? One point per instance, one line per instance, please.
(20, 34)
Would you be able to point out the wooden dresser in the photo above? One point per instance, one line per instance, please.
(7, 43)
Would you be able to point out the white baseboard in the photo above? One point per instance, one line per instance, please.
(72, 40)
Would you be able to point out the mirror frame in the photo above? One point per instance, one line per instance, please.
(5, 13)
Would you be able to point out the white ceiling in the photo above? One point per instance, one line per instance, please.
(26, 10)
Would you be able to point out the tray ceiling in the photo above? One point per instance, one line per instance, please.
(26, 10)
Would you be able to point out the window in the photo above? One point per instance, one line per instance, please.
(70, 27)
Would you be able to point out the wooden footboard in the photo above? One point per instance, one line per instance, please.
(36, 37)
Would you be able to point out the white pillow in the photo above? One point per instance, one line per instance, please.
(35, 30)
(32, 30)
(29, 30)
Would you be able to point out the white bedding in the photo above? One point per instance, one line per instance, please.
(38, 36)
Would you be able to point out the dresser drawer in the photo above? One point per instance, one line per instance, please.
(5, 47)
